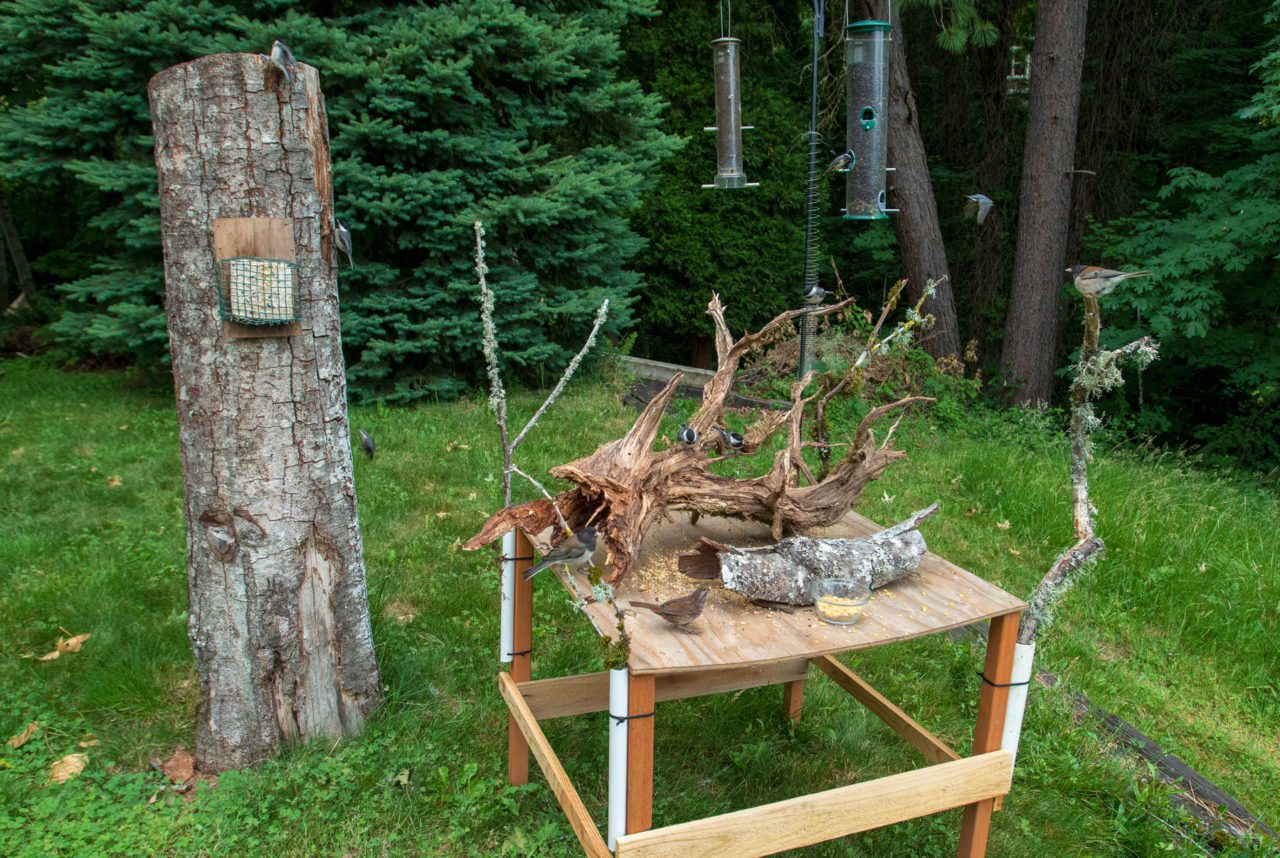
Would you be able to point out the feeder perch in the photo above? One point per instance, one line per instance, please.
(867, 95)
(728, 127)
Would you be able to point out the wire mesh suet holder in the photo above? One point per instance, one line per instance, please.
(258, 291)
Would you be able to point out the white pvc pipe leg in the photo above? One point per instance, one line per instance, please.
(507, 634)
(618, 706)
(1023, 656)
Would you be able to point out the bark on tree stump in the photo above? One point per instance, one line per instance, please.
(279, 616)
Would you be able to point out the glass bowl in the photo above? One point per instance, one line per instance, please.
(840, 601)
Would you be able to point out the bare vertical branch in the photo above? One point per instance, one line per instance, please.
(1096, 373)
(497, 392)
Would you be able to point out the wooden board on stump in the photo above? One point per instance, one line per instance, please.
(264, 237)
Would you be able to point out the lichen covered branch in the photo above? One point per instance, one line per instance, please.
(1097, 373)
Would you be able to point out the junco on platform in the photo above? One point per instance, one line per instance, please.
(1092, 280)
(574, 551)
(680, 611)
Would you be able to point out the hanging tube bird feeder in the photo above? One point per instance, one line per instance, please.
(867, 93)
(728, 127)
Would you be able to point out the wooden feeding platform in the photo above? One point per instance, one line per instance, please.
(737, 645)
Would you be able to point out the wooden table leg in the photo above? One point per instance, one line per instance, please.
(521, 659)
(793, 699)
(976, 823)
(640, 702)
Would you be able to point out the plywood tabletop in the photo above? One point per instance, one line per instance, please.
(939, 595)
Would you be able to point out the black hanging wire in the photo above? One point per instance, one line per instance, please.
(811, 199)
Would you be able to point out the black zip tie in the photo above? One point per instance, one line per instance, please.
(1000, 684)
(622, 719)
(522, 652)
(530, 557)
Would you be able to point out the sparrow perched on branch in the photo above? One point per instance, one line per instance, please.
(366, 442)
(680, 611)
(574, 551)
(687, 435)
(843, 161)
(342, 238)
(732, 440)
(1092, 280)
(283, 59)
(978, 207)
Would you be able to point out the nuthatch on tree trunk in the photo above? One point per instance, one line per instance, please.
(283, 59)
(342, 238)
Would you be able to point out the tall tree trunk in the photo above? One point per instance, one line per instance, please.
(4, 273)
(911, 191)
(21, 268)
(990, 267)
(1044, 206)
(279, 616)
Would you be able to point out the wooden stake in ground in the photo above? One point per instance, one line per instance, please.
(279, 616)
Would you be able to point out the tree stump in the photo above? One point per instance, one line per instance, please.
(279, 616)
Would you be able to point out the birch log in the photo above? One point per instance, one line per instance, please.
(786, 571)
(279, 616)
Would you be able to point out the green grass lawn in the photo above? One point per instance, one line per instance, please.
(1175, 630)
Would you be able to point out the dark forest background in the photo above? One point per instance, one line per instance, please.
(574, 130)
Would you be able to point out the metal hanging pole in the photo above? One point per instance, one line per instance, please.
(811, 204)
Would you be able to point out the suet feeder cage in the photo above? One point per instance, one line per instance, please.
(867, 93)
(258, 291)
(728, 127)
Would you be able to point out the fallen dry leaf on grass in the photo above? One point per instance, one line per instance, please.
(400, 611)
(1004, 525)
(16, 452)
(67, 768)
(114, 481)
(90, 743)
(25, 736)
(179, 768)
(71, 644)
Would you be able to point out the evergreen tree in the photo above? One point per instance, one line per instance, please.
(475, 109)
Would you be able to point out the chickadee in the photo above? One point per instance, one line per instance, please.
(574, 551)
(843, 161)
(688, 436)
(1092, 280)
(814, 294)
(366, 442)
(978, 207)
(342, 238)
(283, 59)
(733, 440)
